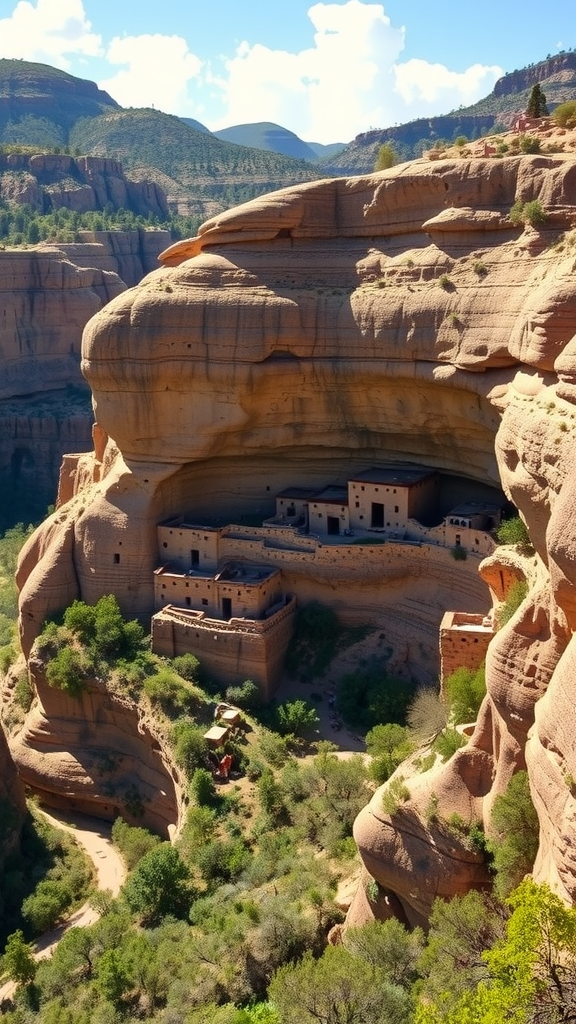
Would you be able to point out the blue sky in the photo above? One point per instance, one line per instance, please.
(327, 71)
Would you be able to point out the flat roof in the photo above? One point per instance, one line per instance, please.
(245, 573)
(398, 474)
(303, 493)
(332, 495)
(470, 508)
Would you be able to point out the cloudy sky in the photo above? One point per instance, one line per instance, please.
(327, 71)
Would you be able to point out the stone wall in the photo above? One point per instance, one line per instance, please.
(464, 640)
(231, 651)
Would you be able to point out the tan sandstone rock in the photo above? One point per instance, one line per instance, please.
(336, 325)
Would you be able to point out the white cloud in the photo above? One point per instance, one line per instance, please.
(158, 70)
(48, 32)
(348, 82)
(421, 83)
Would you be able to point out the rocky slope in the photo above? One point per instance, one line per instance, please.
(50, 181)
(343, 323)
(556, 75)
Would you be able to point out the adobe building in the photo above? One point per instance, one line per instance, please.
(219, 590)
(464, 640)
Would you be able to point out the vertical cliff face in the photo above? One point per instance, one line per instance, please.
(47, 295)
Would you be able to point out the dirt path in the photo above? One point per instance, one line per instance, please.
(94, 836)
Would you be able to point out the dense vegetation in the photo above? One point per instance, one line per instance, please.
(230, 924)
(22, 225)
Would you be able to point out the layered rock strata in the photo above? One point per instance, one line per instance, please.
(337, 324)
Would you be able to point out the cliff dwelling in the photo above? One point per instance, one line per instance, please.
(228, 593)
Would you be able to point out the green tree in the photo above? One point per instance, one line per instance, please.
(389, 946)
(18, 961)
(465, 689)
(386, 157)
(531, 971)
(537, 106)
(46, 904)
(112, 978)
(159, 885)
(516, 823)
(388, 745)
(461, 931)
(295, 716)
(514, 531)
(337, 989)
(203, 788)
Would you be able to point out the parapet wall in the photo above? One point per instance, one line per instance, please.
(464, 640)
(229, 651)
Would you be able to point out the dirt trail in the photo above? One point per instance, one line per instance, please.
(94, 836)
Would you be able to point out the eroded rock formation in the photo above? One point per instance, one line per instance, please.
(47, 295)
(399, 315)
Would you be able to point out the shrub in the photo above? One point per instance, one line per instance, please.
(389, 745)
(515, 531)
(295, 716)
(46, 904)
(369, 696)
(444, 282)
(190, 746)
(527, 213)
(245, 696)
(518, 591)
(427, 714)
(465, 690)
(516, 823)
(448, 742)
(187, 666)
(133, 842)
(386, 157)
(23, 693)
(167, 691)
(565, 114)
(460, 141)
(159, 885)
(459, 553)
(203, 788)
(67, 671)
(529, 144)
(480, 268)
(396, 792)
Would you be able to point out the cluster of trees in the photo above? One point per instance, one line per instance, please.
(22, 225)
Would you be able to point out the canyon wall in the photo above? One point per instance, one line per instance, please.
(47, 295)
(336, 326)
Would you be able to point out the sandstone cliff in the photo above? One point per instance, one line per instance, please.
(49, 181)
(47, 294)
(343, 323)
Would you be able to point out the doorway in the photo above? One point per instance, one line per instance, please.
(333, 525)
(377, 521)
(226, 608)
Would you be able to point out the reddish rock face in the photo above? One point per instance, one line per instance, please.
(345, 322)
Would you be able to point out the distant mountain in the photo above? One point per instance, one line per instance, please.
(192, 123)
(556, 75)
(265, 135)
(200, 174)
(39, 104)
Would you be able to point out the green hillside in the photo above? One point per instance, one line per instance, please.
(39, 104)
(556, 75)
(194, 168)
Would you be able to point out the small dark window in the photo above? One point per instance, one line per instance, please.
(357, 504)
(165, 544)
(204, 600)
(116, 559)
(396, 509)
(188, 601)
